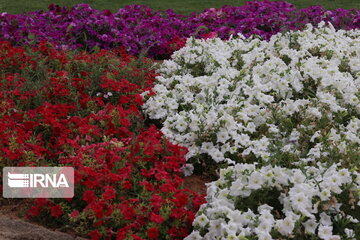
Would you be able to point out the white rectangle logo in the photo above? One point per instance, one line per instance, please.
(38, 182)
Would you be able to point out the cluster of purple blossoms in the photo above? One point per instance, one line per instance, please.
(141, 30)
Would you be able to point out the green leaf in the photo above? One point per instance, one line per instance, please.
(31, 36)
(69, 28)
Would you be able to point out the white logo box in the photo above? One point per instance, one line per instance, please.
(38, 182)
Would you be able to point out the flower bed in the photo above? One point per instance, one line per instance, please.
(77, 109)
(54, 102)
(140, 29)
(284, 114)
(292, 100)
(248, 202)
(276, 115)
(126, 191)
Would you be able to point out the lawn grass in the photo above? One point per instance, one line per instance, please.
(179, 6)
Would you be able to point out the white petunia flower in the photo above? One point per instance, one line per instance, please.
(188, 169)
(285, 226)
(310, 226)
(325, 232)
(201, 220)
(195, 235)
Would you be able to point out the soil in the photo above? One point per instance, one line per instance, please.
(197, 183)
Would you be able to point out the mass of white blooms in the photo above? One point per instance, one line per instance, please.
(292, 100)
(285, 115)
(280, 203)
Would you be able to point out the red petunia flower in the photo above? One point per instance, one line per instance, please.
(94, 235)
(153, 233)
(56, 211)
(89, 196)
(156, 218)
(128, 213)
(109, 193)
(127, 185)
(98, 210)
(135, 237)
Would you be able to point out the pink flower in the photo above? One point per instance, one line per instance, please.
(74, 214)
(209, 35)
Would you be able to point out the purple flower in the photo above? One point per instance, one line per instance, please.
(142, 30)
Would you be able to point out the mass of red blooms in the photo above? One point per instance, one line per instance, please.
(79, 109)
